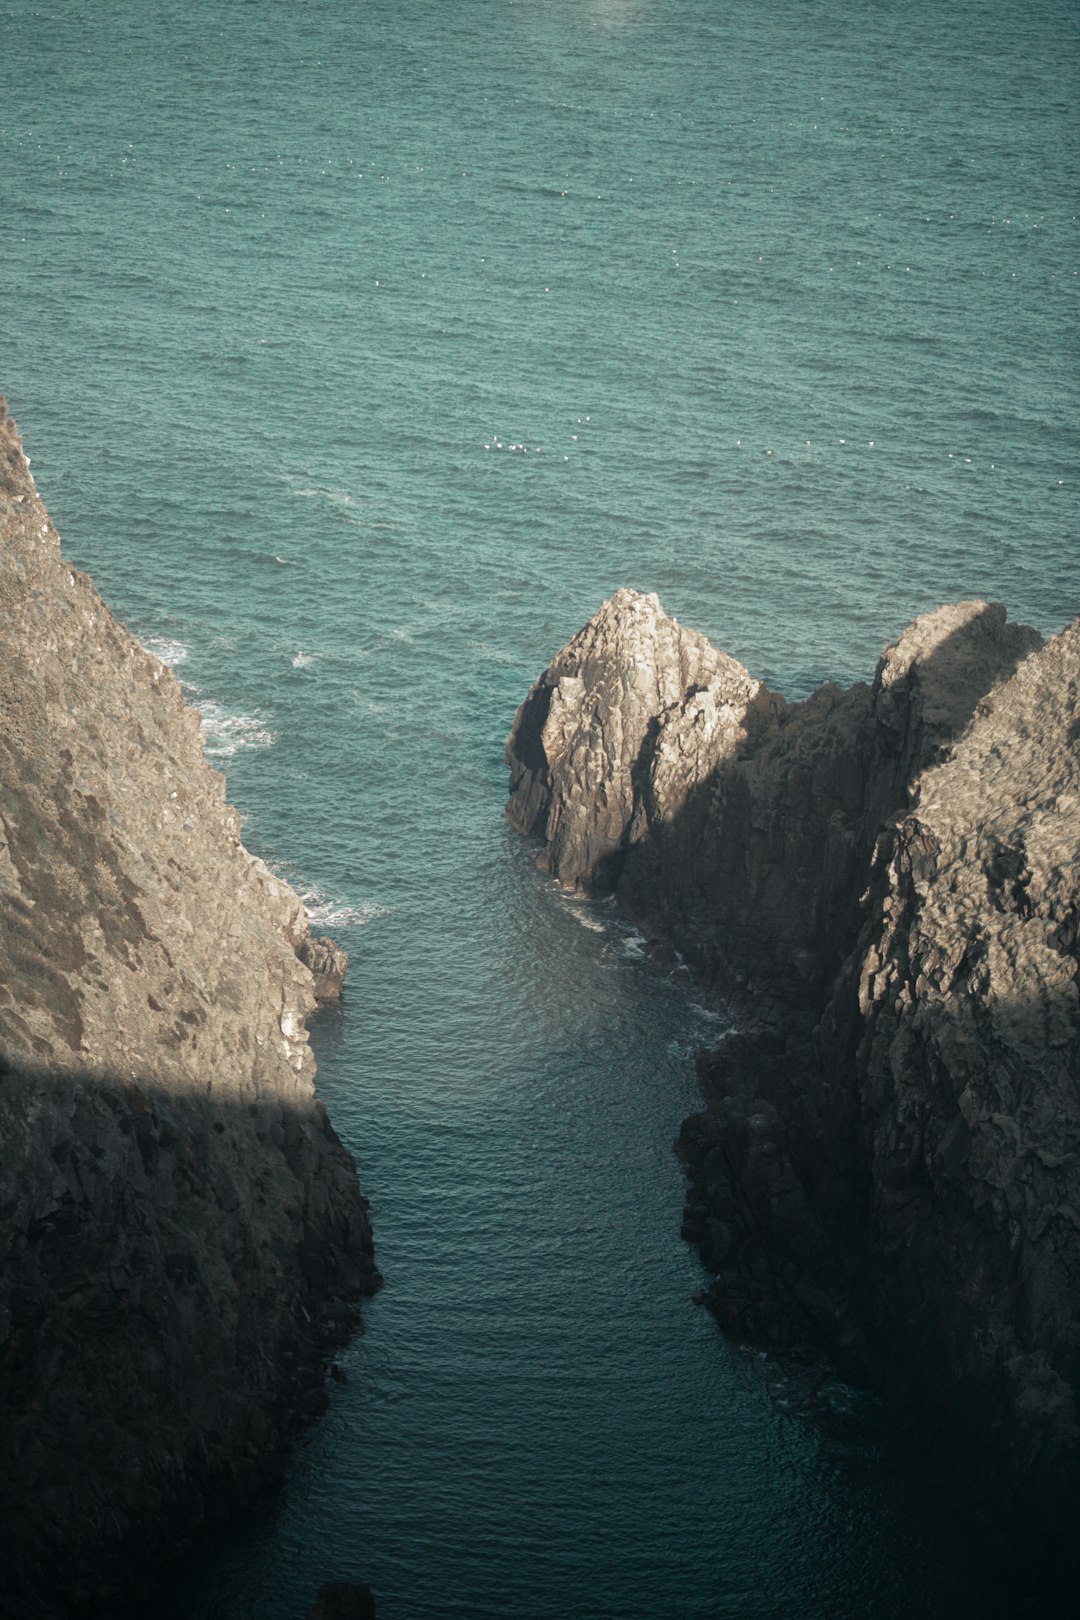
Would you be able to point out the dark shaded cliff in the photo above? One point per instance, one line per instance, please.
(885, 882)
(182, 1235)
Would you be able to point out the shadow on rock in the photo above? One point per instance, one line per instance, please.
(175, 1271)
(883, 882)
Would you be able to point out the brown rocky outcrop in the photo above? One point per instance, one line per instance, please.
(884, 882)
(181, 1232)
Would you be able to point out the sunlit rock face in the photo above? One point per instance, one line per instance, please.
(181, 1232)
(628, 719)
(884, 882)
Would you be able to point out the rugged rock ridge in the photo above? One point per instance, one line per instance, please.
(181, 1232)
(885, 882)
(968, 1058)
(653, 766)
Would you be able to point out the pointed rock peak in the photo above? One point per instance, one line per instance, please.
(632, 712)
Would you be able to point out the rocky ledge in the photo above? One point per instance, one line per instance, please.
(884, 883)
(182, 1235)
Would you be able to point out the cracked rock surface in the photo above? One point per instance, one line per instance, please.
(630, 716)
(885, 884)
(182, 1234)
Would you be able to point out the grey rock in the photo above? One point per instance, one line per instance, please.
(627, 720)
(884, 882)
(182, 1235)
(327, 963)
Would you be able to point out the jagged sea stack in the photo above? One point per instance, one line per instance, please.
(885, 882)
(181, 1232)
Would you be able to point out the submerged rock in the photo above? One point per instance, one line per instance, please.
(343, 1600)
(885, 882)
(182, 1235)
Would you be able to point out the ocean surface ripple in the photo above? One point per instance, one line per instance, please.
(361, 351)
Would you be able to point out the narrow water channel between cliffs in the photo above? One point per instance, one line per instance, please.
(364, 351)
(538, 1420)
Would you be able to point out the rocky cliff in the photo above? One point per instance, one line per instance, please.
(885, 883)
(182, 1235)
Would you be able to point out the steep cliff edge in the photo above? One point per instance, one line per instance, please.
(181, 1232)
(885, 883)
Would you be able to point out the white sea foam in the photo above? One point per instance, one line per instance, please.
(301, 660)
(714, 1025)
(226, 734)
(325, 911)
(582, 911)
(634, 945)
(586, 921)
(166, 649)
(316, 492)
(334, 913)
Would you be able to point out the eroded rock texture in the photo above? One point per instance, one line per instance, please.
(968, 1060)
(181, 1232)
(631, 716)
(885, 883)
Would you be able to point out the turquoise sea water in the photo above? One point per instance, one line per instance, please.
(361, 350)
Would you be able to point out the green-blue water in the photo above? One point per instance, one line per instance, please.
(361, 350)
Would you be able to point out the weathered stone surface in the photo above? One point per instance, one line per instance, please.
(885, 883)
(630, 716)
(968, 1062)
(327, 963)
(652, 765)
(181, 1232)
